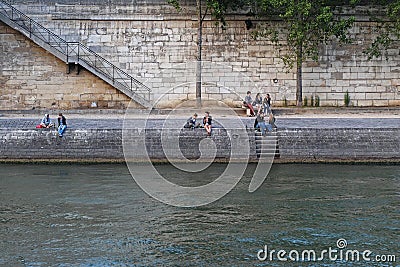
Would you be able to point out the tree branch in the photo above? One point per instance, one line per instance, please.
(205, 14)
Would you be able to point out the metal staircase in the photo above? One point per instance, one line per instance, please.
(77, 53)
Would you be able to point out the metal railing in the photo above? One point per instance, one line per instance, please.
(78, 53)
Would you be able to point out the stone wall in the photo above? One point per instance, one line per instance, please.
(339, 143)
(154, 43)
(295, 145)
(31, 78)
(103, 144)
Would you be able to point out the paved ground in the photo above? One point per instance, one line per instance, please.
(286, 118)
(116, 123)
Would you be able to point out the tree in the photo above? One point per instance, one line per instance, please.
(217, 9)
(389, 29)
(303, 25)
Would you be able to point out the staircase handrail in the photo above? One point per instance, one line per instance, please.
(74, 51)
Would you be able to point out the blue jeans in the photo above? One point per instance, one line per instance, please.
(61, 129)
(267, 109)
(264, 126)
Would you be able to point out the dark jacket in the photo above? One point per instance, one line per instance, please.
(62, 121)
(267, 100)
(260, 118)
(207, 121)
(258, 100)
(191, 122)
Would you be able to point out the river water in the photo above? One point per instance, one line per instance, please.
(96, 215)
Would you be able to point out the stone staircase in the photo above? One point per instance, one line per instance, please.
(267, 146)
(75, 53)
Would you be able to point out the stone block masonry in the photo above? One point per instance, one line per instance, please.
(31, 78)
(105, 144)
(150, 40)
(77, 144)
(101, 140)
(312, 144)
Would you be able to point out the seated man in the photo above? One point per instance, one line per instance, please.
(192, 122)
(248, 102)
(46, 122)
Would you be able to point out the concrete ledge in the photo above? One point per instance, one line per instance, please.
(106, 144)
(295, 145)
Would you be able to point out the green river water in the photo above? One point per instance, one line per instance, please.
(96, 215)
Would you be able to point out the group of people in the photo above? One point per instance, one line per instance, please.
(192, 122)
(47, 123)
(262, 124)
(263, 106)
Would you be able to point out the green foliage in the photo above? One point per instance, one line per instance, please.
(301, 26)
(305, 101)
(308, 25)
(285, 103)
(347, 99)
(388, 29)
(317, 101)
(312, 100)
(175, 3)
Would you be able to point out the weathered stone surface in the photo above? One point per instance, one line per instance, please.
(299, 140)
(32, 78)
(151, 41)
(339, 143)
(91, 144)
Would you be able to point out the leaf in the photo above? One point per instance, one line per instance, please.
(175, 3)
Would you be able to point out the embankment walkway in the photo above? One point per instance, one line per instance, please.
(302, 136)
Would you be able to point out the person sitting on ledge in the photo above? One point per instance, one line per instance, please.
(62, 124)
(261, 123)
(248, 102)
(46, 122)
(267, 104)
(258, 102)
(207, 120)
(271, 120)
(192, 122)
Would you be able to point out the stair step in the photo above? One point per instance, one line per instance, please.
(267, 134)
(267, 142)
(67, 52)
(276, 156)
(262, 151)
(267, 146)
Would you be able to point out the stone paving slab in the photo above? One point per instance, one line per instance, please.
(323, 123)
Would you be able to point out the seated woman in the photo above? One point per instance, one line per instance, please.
(62, 124)
(207, 120)
(267, 104)
(192, 122)
(46, 122)
(258, 102)
(271, 120)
